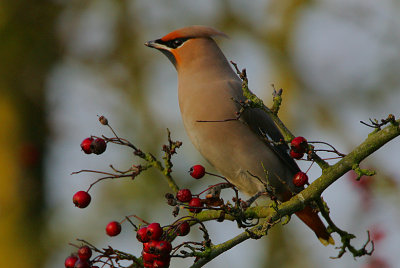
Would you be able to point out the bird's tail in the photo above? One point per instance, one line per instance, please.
(312, 220)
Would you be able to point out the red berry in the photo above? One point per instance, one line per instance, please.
(82, 264)
(377, 234)
(81, 199)
(141, 235)
(84, 253)
(113, 228)
(70, 261)
(300, 178)
(154, 231)
(296, 155)
(183, 229)
(184, 195)
(85, 145)
(146, 247)
(163, 247)
(148, 264)
(150, 247)
(197, 171)
(299, 144)
(148, 257)
(195, 203)
(98, 146)
(162, 262)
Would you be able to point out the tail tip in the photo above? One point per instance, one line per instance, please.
(327, 242)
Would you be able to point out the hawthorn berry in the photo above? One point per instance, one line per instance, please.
(150, 247)
(85, 145)
(148, 257)
(154, 231)
(183, 228)
(197, 171)
(146, 247)
(70, 261)
(296, 155)
(184, 195)
(148, 264)
(81, 199)
(82, 264)
(300, 178)
(98, 146)
(163, 247)
(377, 233)
(195, 204)
(162, 263)
(113, 228)
(299, 144)
(141, 235)
(84, 253)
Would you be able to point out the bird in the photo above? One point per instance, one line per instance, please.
(210, 94)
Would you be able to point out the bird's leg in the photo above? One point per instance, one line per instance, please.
(246, 204)
(269, 190)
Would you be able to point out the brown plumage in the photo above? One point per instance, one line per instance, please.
(207, 85)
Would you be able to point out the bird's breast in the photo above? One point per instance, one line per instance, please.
(209, 115)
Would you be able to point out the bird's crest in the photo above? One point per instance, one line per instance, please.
(193, 32)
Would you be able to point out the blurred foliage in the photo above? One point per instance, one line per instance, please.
(27, 50)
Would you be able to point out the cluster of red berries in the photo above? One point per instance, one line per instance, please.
(185, 195)
(95, 146)
(298, 147)
(89, 145)
(81, 260)
(156, 250)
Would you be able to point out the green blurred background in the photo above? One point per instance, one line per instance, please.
(62, 63)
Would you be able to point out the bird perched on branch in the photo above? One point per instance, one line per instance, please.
(210, 92)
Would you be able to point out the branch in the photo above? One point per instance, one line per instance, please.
(221, 248)
(373, 142)
(312, 193)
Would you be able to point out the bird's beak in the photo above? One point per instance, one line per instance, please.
(153, 44)
(149, 44)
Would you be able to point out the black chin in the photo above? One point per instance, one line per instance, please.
(169, 55)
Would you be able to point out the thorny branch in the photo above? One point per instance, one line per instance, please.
(241, 211)
(135, 170)
(255, 102)
(344, 236)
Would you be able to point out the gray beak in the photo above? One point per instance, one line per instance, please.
(153, 44)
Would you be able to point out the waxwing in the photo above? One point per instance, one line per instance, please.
(207, 86)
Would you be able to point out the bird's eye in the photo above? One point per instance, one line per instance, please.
(177, 42)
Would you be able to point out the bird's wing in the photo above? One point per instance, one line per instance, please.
(262, 125)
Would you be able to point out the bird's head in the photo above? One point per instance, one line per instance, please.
(186, 44)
